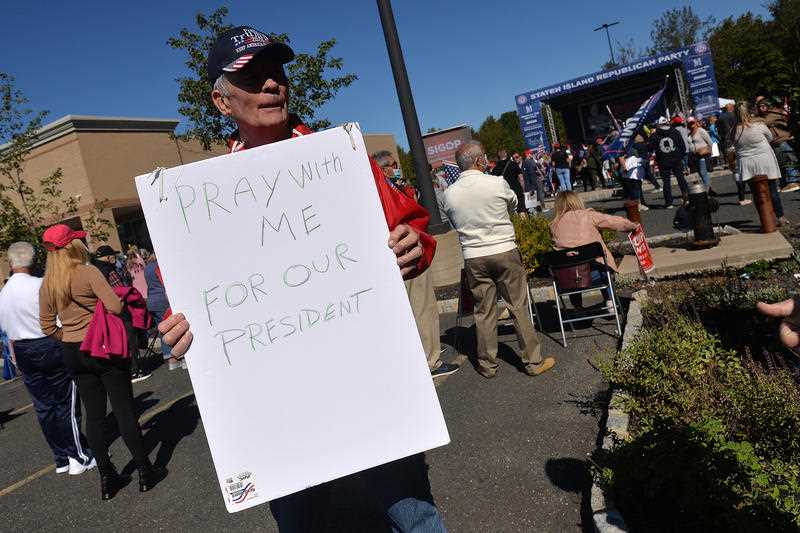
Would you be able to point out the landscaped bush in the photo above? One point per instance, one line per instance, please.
(715, 425)
(533, 239)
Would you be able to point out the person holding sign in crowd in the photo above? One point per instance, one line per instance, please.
(71, 290)
(251, 88)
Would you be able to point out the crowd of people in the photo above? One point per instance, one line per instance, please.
(75, 334)
(75, 337)
(749, 139)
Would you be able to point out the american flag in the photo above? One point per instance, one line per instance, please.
(451, 172)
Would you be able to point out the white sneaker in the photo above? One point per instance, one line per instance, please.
(175, 364)
(62, 469)
(76, 467)
(643, 207)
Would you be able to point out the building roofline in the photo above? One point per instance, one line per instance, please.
(73, 123)
(451, 128)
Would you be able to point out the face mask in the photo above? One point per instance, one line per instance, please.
(396, 174)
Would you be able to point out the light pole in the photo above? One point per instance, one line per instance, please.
(413, 133)
(608, 37)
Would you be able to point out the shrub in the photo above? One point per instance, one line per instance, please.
(533, 239)
(716, 443)
(692, 477)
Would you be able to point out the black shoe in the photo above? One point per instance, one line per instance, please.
(111, 483)
(445, 369)
(150, 476)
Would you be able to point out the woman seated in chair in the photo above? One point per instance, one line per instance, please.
(574, 225)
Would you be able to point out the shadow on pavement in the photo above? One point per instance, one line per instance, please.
(168, 428)
(6, 416)
(573, 475)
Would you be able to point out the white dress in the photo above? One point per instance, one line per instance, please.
(754, 155)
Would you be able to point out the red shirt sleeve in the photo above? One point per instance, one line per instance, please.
(400, 209)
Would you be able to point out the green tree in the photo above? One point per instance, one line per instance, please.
(407, 164)
(748, 60)
(501, 132)
(678, 27)
(26, 208)
(785, 32)
(314, 79)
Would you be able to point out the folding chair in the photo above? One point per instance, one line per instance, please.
(571, 273)
(466, 306)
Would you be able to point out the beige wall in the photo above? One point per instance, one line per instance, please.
(64, 153)
(376, 142)
(114, 159)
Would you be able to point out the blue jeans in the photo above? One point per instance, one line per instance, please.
(55, 398)
(400, 487)
(564, 179)
(702, 168)
(158, 316)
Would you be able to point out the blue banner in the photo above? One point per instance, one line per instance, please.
(621, 145)
(696, 62)
(699, 69)
(531, 121)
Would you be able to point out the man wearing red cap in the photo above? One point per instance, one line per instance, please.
(251, 87)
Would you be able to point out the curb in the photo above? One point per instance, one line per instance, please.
(605, 515)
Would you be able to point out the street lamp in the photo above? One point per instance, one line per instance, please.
(413, 133)
(608, 37)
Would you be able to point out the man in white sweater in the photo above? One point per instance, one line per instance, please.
(480, 208)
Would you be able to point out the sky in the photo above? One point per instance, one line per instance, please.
(466, 59)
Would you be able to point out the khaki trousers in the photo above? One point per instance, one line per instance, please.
(426, 314)
(486, 276)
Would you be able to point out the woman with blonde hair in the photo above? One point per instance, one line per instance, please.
(70, 291)
(574, 225)
(755, 156)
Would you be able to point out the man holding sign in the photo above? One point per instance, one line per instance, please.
(251, 87)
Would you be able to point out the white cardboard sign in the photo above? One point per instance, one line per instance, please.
(306, 362)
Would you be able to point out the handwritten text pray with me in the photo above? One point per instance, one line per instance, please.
(211, 200)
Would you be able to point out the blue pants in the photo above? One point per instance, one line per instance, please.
(55, 397)
(564, 179)
(790, 169)
(702, 168)
(400, 487)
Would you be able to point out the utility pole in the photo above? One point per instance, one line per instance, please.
(413, 133)
(608, 37)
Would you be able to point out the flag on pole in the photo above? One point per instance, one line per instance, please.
(451, 172)
(621, 145)
(616, 122)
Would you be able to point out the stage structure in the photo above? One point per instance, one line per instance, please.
(595, 104)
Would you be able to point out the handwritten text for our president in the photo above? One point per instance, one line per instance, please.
(278, 227)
